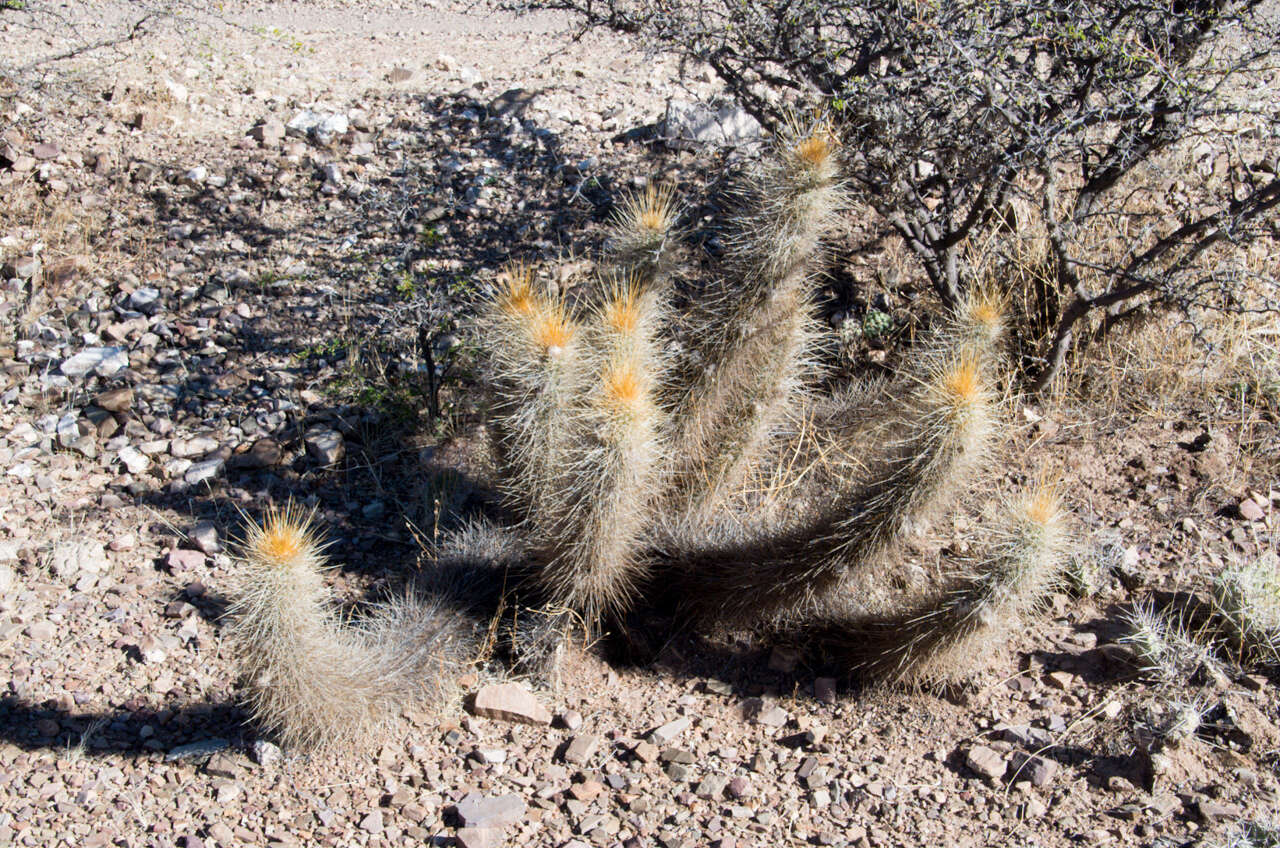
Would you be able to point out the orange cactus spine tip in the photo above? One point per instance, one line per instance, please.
(624, 390)
(961, 383)
(552, 330)
(515, 289)
(1043, 505)
(987, 308)
(652, 211)
(622, 310)
(816, 149)
(286, 537)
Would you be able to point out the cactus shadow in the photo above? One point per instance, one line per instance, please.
(142, 732)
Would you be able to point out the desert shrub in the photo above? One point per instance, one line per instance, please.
(1112, 161)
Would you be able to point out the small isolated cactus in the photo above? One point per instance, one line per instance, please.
(1164, 649)
(876, 324)
(665, 443)
(1246, 598)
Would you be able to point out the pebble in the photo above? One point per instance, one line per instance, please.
(134, 460)
(201, 471)
(479, 837)
(581, 748)
(509, 702)
(668, 732)
(103, 361)
(115, 400)
(196, 750)
(325, 446)
(476, 810)
(986, 762)
(205, 537)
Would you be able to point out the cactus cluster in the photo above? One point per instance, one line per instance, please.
(662, 442)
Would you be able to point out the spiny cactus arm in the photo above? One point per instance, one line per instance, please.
(753, 349)
(589, 562)
(643, 233)
(311, 679)
(945, 428)
(534, 350)
(948, 638)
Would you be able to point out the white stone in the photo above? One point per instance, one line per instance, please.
(330, 128)
(722, 124)
(201, 471)
(134, 460)
(103, 361)
(71, 559)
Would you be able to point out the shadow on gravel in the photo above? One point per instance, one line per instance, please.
(143, 731)
(294, 303)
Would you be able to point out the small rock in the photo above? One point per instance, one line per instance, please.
(205, 536)
(667, 733)
(103, 361)
(196, 750)
(773, 717)
(196, 177)
(70, 559)
(22, 268)
(134, 460)
(581, 748)
(181, 559)
(489, 756)
(145, 300)
(115, 400)
(372, 823)
(45, 151)
(720, 124)
(222, 765)
(1039, 770)
(986, 762)
(645, 752)
(570, 719)
(1213, 811)
(711, 786)
(824, 689)
(510, 702)
(479, 837)
(194, 447)
(265, 453)
(202, 471)
(265, 753)
(269, 133)
(330, 128)
(1250, 511)
(325, 446)
(476, 810)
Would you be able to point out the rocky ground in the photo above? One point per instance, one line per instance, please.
(219, 241)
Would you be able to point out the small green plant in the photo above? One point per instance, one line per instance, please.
(876, 324)
(407, 287)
